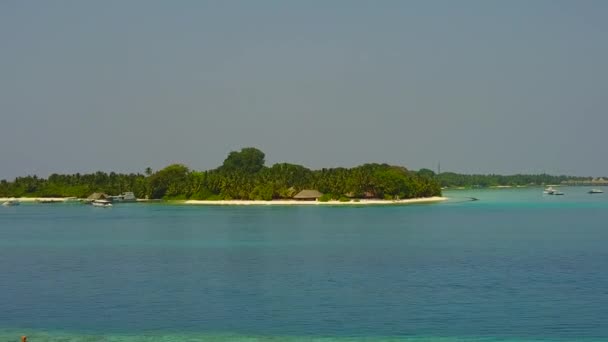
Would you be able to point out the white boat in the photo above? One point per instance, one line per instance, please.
(549, 191)
(101, 203)
(11, 202)
(596, 191)
(124, 197)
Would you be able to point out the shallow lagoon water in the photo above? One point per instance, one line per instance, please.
(513, 266)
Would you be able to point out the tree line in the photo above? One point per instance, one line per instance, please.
(243, 175)
(450, 179)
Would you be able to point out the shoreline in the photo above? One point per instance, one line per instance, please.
(285, 202)
(65, 199)
(39, 199)
(423, 200)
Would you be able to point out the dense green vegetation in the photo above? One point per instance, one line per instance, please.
(76, 185)
(243, 175)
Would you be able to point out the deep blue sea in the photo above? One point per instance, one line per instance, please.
(516, 265)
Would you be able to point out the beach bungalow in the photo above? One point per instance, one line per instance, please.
(308, 195)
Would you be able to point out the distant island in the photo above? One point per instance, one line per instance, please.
(243, 176)
(456, 180)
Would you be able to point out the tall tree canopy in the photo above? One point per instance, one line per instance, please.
(249, 160)
(170, 181)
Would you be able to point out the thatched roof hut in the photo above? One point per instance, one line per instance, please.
(308, 195)
(98, 196)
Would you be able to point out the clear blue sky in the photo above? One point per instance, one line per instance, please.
(482, 86)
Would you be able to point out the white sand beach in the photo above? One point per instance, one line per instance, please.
(423, 200)
(294, 202)
(38, 199)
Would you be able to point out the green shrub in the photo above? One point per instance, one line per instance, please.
(261, 193)
(344, 199)
(325, 198)
(182, 197)
(202, 194)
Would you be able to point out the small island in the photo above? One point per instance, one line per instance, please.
(244, 179)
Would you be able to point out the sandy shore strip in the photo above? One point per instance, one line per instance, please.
(39, 199)
(435, 199)
(423, 200)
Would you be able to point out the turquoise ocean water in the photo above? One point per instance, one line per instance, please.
(513, 266)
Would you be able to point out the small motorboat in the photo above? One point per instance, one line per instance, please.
(11, 202)
(595, 191)
(101, 203)
(551, 191)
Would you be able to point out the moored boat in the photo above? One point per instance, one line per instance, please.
(552, 191)
(101, 203)
(596, 191)
(11, 202)
(124, 197)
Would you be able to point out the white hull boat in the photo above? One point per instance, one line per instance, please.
(124, 197)
(101, 203)
(551, 191)
(11, 203)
